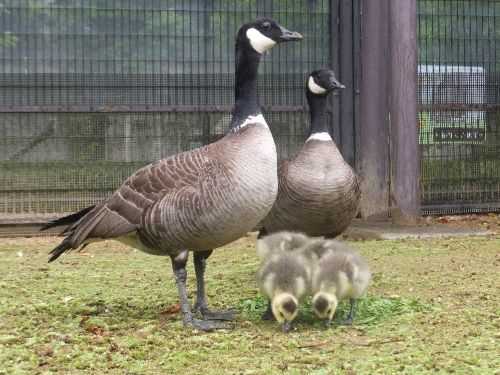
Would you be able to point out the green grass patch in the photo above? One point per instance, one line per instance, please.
(370, 310)
(432, 308)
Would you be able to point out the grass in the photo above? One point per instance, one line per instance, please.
(433, 307)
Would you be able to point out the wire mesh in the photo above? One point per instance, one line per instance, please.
(459, 118)
(90, 90)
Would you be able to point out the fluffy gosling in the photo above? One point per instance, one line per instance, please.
(280, 241)
(340, 273)
(284, 278)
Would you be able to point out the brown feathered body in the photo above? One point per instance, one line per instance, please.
(196, 200)
(318, 192)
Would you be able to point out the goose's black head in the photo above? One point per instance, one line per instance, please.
(323, 81)
(263, 34)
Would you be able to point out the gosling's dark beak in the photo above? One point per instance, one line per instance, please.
(288, 36)
(287, 326)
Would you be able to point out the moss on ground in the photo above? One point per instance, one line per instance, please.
(433, 307)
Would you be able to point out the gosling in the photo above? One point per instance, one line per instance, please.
(341, 273)
(281, 241)
(284, 278)
(285, 241)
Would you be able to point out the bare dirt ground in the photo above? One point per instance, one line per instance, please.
(489, 222)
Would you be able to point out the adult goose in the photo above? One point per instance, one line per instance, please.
(318, 191)
(201, 199)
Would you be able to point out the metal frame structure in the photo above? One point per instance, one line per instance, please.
(139, 74)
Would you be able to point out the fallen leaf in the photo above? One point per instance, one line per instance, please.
(94, 329)
(313, 344)
(171, 310)
(45, 351)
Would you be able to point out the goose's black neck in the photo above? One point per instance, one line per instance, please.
(246, 101)
(317, 111)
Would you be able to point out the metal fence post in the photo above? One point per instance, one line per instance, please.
(347, 68)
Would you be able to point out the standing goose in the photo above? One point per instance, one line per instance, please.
(318, 191)
(201, 199)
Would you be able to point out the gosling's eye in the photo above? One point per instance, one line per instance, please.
(266, 25)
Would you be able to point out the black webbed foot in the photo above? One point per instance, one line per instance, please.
(201, 305)
(207, 314)
(207, 325)
(346, 322)
(268, 314)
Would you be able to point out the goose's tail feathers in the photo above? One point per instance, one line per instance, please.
(60, 249)
(67, 220)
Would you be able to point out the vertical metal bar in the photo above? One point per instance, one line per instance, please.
(374, 111)
(346, 72)
(405, 156)
(356, 40)
(335, 63)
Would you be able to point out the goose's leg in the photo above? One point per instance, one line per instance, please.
(262, 233)
(268, 314)
(350, 317)
(201, 305)
(179, 267)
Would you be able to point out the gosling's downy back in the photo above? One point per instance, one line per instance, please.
(343, 270)
(285, 272)
(281, 241)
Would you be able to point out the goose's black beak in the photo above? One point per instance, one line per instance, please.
(335, 85)
(288, 36)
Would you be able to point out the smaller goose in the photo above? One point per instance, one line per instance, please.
(340, 273)
(318, 191)
(283, 277)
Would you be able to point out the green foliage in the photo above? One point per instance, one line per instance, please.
(7, 39)
(370, 310)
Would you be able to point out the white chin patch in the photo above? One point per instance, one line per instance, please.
(259, 119)
(322, 136)
(314, 87)
(259, 41)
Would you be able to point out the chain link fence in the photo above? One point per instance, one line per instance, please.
(90, 90)
(459, 119)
